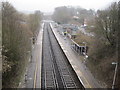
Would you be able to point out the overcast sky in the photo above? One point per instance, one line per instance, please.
(49, 5)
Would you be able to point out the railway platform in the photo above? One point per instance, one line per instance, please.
(83, 73)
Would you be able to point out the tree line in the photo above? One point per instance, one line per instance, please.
(65, 14)
(107, 36)
(17, 29)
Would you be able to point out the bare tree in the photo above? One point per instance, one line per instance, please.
(107, 23)
(34, 21)
(15, 42)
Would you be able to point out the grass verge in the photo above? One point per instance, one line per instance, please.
(101, 55)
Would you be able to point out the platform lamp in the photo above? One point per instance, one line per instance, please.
(85, 48)
(114, 78)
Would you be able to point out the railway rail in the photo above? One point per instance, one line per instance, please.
(57, 72)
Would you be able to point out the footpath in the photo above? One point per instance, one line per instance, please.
(32, 77)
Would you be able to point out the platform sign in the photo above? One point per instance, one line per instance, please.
(65, 32)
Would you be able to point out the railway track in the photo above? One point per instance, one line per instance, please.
(57, 72)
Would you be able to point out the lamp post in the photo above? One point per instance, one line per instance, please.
(114, 78)
(31, 47)
(85, 47)
(85, 53)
